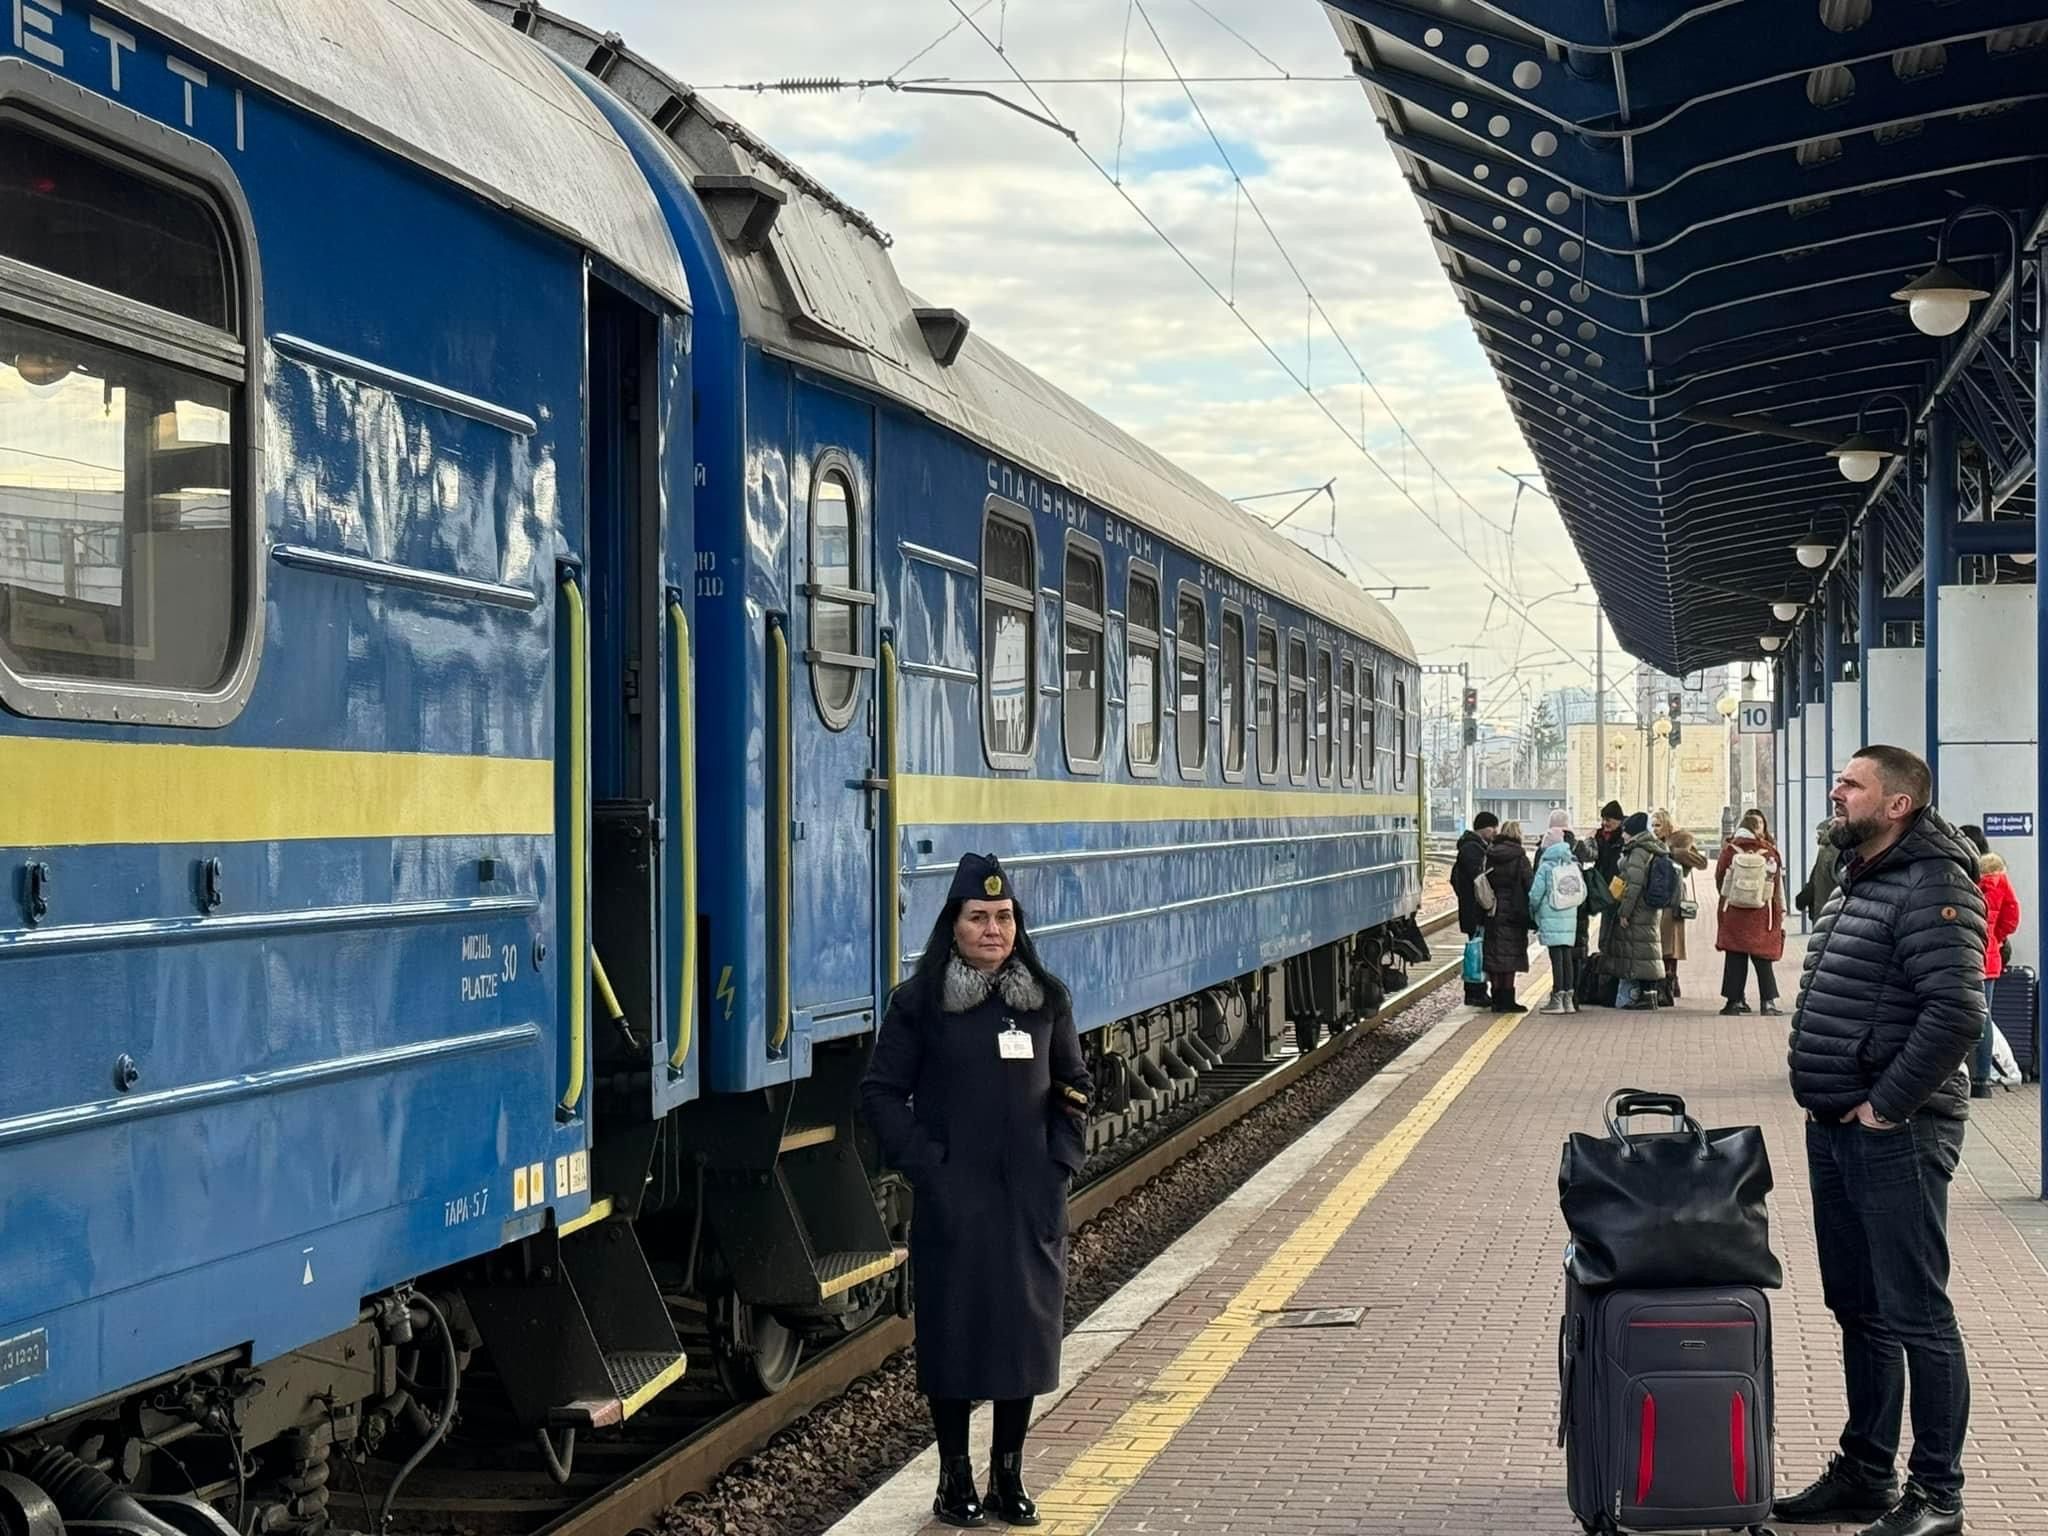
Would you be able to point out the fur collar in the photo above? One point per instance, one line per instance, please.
(966, 988)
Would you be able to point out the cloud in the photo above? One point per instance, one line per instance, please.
(1000, 217)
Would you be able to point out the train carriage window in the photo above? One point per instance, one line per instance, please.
(1191, 667)
(128, 584)
(1400, 730)
(1347, 720)
(1325, 720)
(1230, 694)
(1368, 727)
(1082, 704)
(1297, 707)
(1269, 702)
(1141, 700)
(838, 593)
(1009, 640)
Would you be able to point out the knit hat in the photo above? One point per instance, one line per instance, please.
(1559, 829)
(1611, 811)
(1637, 824)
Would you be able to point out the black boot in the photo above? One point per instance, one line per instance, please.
(956, 1503)
(1006, 1495)
(1842, 1493)
(1920, 1513)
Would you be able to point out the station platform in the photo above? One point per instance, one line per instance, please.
(1210, 1397)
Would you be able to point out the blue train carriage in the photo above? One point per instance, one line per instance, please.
(952, 608)
(343, 582)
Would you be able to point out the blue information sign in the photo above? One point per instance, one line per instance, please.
(2008, 823)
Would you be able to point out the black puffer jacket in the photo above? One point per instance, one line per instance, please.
(1465, 868)
(1892, 998)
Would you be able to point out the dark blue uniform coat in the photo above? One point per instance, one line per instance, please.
(989, 1156)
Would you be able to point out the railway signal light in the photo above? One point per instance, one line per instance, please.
(1471, 716)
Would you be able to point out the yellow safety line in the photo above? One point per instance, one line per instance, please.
(686, 767)
(1102, 1474)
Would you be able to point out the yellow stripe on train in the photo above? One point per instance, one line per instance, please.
(64, 793)
(944, 800)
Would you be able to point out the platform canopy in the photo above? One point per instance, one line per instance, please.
(1679, 230)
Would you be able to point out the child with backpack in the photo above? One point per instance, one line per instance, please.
(1751, 930)
(1556, 896)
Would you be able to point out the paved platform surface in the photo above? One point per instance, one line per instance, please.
(1432, 1205)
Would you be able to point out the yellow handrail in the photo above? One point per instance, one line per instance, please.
(1421, 824)
(778, 641)
(577, 951)
(891, 874)
(686, 773)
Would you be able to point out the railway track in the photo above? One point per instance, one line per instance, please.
(681, 1444)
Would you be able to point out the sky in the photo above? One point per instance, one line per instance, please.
(1003, 218)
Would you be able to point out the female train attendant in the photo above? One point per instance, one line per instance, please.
(977, 1092)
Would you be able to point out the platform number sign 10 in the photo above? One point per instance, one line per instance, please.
(1754, 717)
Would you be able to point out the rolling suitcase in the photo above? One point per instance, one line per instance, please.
(1665, 1408)
(2015, 1009)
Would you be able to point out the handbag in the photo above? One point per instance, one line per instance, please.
(1671, 1208)
(1688, 906)
(1475, 958)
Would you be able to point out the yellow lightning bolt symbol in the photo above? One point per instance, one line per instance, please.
(725, 992)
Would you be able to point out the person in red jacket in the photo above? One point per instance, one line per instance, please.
(2002, 912)
(1750, 930)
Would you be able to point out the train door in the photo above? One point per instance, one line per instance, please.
(836, 793)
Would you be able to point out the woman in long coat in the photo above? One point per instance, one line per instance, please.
(1750, 935)
(1508, 924)
(978, 1093)
(1686, 855)
(1637, 948)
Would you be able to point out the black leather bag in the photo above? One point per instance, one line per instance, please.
(1669, 1208)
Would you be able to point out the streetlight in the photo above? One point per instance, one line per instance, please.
(1939, 299)
(1769, 642)
(1784, 613)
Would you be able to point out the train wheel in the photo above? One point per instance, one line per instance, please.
(755, 1353)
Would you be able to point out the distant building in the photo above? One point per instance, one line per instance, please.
(1531, 807)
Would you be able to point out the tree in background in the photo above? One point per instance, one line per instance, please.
(1546, 746)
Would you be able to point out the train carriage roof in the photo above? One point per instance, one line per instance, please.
(818, 286)
(446, 87)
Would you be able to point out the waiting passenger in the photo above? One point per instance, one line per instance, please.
(977, 1091)
(2002, 913)
(1890, 1006)
(1607, 841)
(1751, 926)
(1820, 879)
(1466, 868)
(1671, 921)
(1634, 955)
(1557, 896)
(1508, 925)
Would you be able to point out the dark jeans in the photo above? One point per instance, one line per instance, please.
(949, 1418)
(1880, 1213)
(1981, 1071)
(1734, 974)
(1564, 967)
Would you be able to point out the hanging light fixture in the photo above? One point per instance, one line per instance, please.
(1938, 300)
(1860, 455)
(1769, 642)
(1784, 613)
(1812, 552)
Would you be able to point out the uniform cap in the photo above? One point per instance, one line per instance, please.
(980, 878)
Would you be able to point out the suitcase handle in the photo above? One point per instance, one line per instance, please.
(1625, 1103)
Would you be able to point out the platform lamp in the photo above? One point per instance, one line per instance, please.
(1939, 299)
(1784, 613)
(1860, 456)
(1769, 642)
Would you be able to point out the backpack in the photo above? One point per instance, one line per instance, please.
(1749, 880)
(1567, 886)
(1661, 889)
(1482, 890)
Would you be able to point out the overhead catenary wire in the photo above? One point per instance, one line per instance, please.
(1431, 515)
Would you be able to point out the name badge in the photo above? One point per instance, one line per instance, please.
(1013, 1045)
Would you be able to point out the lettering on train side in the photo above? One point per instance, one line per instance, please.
(36, 35)
(478, 986)
(709, 582)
